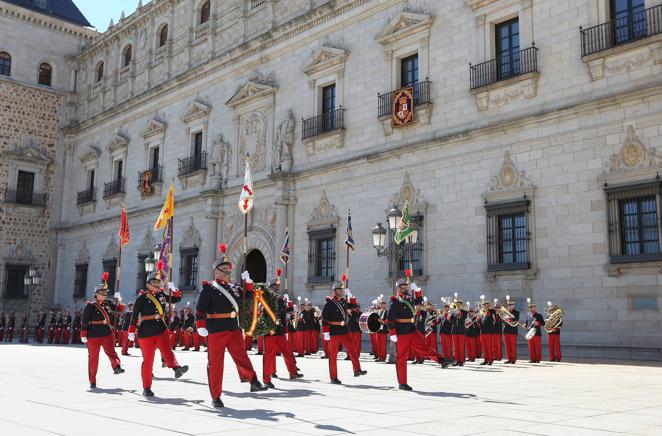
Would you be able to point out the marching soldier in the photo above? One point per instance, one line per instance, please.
(487, 322)
(445, 333)
(420, 321)
(510, 332)
(39, 328)
(431, 338)
(497, 340)
(11, 325)
(354, 309)
(187, 329)
(97, 332)
(403, 332)
(150, 306)
(473, 333)
(554, 338)
(459, 332)
(335, 332)
(175, 329)
(291, 331)
(534, 319)
(125, 324)
(216, 319)
(51, 327)
(308, 328)
(76, 325)
(67, 326)
(59, 327)
(382, 332)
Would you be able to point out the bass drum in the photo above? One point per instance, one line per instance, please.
(369, 322)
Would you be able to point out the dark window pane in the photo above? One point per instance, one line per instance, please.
(45, 74)
(14, 285)
(639, 220)
(163, 37)
(24, 187)
(204, 13)
(409, 71)
(5, 64)
(197, 144)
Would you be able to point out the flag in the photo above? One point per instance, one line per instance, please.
(246, 197)
(285, 251)
(164, 256)
(168, 208)
(404, 227)
(349, 239)
(124, 233)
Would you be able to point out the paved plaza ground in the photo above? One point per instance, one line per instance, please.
(44, 391)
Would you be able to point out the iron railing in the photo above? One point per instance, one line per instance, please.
(157, 175)
(507, 65)
(87, 196)
(421, 96)
(29, 198)
(192, 164)
(326, 122)
(633, 27)
(113, 188)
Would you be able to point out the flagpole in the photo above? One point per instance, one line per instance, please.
(170, 266)
(243, 267)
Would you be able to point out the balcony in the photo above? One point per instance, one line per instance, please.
(201, 30)
(155, 175)
(113, 188)
(326, 122)
(621, 31)
(507, 66)
(421, 96)
(191, 165)
(85, 197)
(25, 198)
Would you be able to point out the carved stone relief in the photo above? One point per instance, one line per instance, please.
(191, 236)
(633, 155)
(281, 159)
(324, 213)
(252, 140)
(509, 177)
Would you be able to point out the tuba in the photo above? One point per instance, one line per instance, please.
(506, 316)
(555, 319)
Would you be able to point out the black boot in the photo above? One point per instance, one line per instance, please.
(256, 386)
(405, 387)
(93, 385)
(335, 381)
(217, 403)
(118, 370)
(180, 370)
(443, 362)
(270, 385)
(360, 372)
(296, 375)
(147, 392)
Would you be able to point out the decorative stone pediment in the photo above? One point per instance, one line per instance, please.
(29, 151)
(195, 111)
(118, 142)
(191, 237)
(408, 194)
(155, 127)
(326, 59)
(83, 254)
(148, 243)
(636, 55)
(19, 252)
(111, 248)
(501, 93)
(324, 213)
(634, 160)
(477, 4)
(90, 154)
(404, 25)
(249, 92)
(509, 177)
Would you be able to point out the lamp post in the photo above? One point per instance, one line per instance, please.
(31, 280)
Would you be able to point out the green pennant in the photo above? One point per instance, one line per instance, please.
(404, 227)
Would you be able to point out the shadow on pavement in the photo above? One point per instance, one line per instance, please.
(172, 401)
(261, 414)
(444, 394)
(180, 380)
(276, 393)
(111, 391)
(377, 388)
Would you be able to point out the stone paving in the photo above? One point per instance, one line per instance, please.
(44, 391)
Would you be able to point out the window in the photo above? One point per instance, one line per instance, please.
(197, 144)
(322, 256)
(5, 64)
(188, 270)
(416, 252)
(141, 280)
(24, 187)
(14, 285)
(204, 12)
(328, 98)
(90, 180)
(163, 36)
(126, 60)
(99, 71)
(110, 266)
(45, 74)
(629, 19)
(409, 71)
(80, 280)
(507, 49)
(155, 157)
(508, 236)
(118, 169)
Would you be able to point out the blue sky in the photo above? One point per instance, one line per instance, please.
(99, 12)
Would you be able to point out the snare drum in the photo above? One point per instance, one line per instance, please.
(369, 322)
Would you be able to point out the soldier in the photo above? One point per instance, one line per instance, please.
(301, 329)
(354, 313)
(382, 332)
(97, 332)
(125, 323)
(175, 329)
(23, 336)
(59, 326)
(39, 328)
(335, 332)
(291, 331)
(76, 325)
(445, 333)
(459, 332)
(153, 333)
(473, 334)
(497, 340)
(51, 326)
(403, 332)
(187, 329)
(510, 332)
(11, 325)
(487, 322)
(554, 337)
(308, 328)
(216, 318)
(534, 319)
(431, 338)
(2, 326)
(67, 326)
(276, 341)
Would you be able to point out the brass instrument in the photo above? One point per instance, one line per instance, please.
(555, 318)
(506, 316)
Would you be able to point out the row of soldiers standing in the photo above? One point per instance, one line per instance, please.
(62, 327)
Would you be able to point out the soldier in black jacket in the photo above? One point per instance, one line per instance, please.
(175, 330)
(97, 332)
(66, 328)
(354, 309)
(445, 333)
(39, 328)
(216, 319)
(382, 332)
(125, 323)
(59, 327)
(150, 306)
(487, 333)
(534, 319)
(76, 326)
(458, 332)
(334, 330)
(23, 336)
(472, 325)
(510, 332)
(51, 326)
(11, 325)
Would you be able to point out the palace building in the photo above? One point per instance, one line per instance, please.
(530, 160)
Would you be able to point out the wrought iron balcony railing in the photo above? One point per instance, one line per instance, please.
(28, 198)
(192, 164)
(421, 96)
(507, 65)
(87, 196)
(325, 122)
(113, 188)
(156, 175)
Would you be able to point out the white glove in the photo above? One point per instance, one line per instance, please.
(83, 339)
(203, 332)
(286, 336)
(171, 286)
(118, 296)
(327, 336)
(246, 277)
(132, 336)
(394, 338)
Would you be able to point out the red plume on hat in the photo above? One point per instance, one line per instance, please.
(408, 274)
(104, 277)
(278, 274)
(344, 279)
(223, 248)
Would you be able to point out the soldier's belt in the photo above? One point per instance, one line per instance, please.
(96, 323)
(404, 320)
(151, 317)
(232, 314)
(340, 323)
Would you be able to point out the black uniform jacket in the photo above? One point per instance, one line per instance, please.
(457, 322)
(97, 312)
(212, 301)
(536, 320)
(509, 330)
(488, 322)
(126, 321)
(401, 309)
(334, 316)
(145, 307)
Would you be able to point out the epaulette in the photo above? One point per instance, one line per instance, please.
(205, 283)
(394, 298)
(328, 298)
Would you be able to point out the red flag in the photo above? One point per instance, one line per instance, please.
(124, 229)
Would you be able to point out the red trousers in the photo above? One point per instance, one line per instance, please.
(300, 341)
(308, 339)
(458, 347)
(431, 341)
(148, 347)
(126, 343)
(39, 335)
(348, 343)
(58, 335)
(75, 338)
(291, 340)
(51, 334)
(93, 347)
(260, 344)
(415, 341)
(472, 347)
(497, 343)
(373, 343)
(325, 347)
(173, 338)
(10, 334)
(511, 347)
(273, 345)
(446, 346)
(356, 336)
(535, 349)
(236, 346)
(248, 341)
(380, 338)
(65, 335)
(486, 345)
(316, 341)
(554, 347)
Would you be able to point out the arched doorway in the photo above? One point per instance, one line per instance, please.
(256, 266)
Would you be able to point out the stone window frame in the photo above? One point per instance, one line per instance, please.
(80, 284)
(316, 234)
(52, 76)
(493, 213)
(488, 17)
(38, 169)
(185, 279)
(321, 75)
(160, 50)
(5, 285)
(11, 58)
(128, 47)
(141, 276)
(95, 72)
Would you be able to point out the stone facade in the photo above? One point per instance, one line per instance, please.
(249, 77)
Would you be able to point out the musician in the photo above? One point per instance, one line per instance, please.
(510, 333)
(51, 326)
(382, 333)
(59, 326)
(125, 324)
(472, 325)
(39, 328)
(309, 328)
(403, 332)
(291, 331)
(216, 319)
(150, 307)
(432, 328)
(276, 341)
(554, 339)
(445, 333)
(497, 340)
(187, 330)
(354, 313)
(77, 326)
(67, 326)
(11, 325)
(487, 336)
(458, 332)
(97, 332)
(335, 332)
(23, 336)
(420, 320)
(534, 319)
(175, 329)
(301, 329)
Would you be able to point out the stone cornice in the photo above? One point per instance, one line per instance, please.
(50, 23)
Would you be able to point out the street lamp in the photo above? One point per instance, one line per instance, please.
(379, 239)
(31, 280)
(394, 217)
